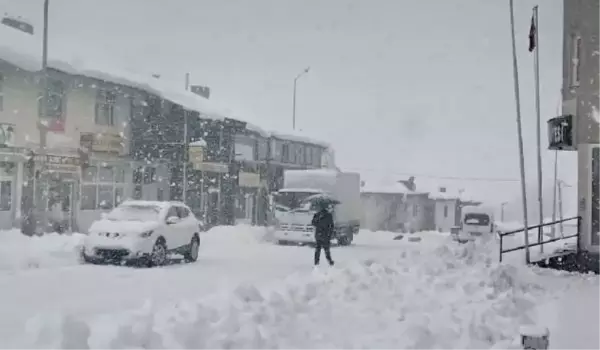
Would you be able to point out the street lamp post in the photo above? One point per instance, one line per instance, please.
(502, 211)
(294, 102)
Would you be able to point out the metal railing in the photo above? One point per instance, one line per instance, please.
(541, 243)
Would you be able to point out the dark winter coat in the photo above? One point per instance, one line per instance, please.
(323, 223)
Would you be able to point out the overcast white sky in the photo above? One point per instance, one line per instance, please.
(397, 86)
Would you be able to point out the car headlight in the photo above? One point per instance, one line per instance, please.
(146, 234)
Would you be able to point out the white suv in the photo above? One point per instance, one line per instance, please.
(144, 231)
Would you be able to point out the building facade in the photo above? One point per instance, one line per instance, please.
(581, 79)
(84, 166)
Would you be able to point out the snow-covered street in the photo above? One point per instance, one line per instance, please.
(247, 292)
(44, 281)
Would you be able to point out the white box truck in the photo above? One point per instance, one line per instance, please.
(295, 204)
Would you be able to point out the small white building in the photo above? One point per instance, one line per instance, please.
(383, 206)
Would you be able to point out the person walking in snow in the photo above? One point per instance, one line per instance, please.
(323, 223)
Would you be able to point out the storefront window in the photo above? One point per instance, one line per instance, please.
(102, 187)
(5, 195)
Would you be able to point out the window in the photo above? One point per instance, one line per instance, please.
(316, 157)
(575, 60)
(244, 147)
(292, 153)
(103, 187)
(5, 195)
(262, 149)
(149, 175)
(55, 103)
(308, 153)
(105, 107)
(415, 210)
(183, 212)
(300, 154)
(445, 211)
(285, 153)
(172, 212)
(1, 92)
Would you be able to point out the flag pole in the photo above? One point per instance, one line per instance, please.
(519, 130)
(536, 62)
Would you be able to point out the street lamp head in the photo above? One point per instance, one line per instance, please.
(307, 69)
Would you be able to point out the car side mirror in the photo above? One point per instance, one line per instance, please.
(172, 220)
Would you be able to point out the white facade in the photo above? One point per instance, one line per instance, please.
(91, 122)
(445, 214)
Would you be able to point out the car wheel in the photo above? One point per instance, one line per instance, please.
(158, 257)
(192, 254)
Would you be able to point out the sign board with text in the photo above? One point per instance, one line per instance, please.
(561, 133)
(102, 142)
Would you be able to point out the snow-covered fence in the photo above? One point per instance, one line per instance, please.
(533, 337)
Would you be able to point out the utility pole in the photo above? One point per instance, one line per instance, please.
(186, 144)
(294, 100)
(536, 68)
(519, 131)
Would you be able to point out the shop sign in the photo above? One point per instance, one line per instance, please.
(58, 162)
(248, 179)
(196, 154)
(211, 167)
(561, 133)
(102, 142)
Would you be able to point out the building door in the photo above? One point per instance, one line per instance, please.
(429, 217)
(67, 194)
(249, 198)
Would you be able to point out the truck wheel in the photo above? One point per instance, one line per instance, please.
(346, 240)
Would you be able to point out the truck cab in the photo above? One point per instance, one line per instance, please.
(294, 206)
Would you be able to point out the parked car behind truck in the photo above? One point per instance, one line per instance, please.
(295, 204)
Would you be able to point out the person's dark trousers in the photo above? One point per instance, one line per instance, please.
(323, 244)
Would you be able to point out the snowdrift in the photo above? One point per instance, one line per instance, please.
(20, 252)
(456, 298)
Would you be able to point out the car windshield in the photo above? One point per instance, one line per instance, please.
(292, 200)
(477, 219)
(134, 213)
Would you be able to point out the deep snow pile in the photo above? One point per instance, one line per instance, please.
(456, 298)
(20, 252)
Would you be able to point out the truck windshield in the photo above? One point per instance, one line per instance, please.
(291, 200)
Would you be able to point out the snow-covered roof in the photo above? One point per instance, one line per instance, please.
(25, 51)
(198, 143)
(298, 136)
(301, 190)
(384, 188)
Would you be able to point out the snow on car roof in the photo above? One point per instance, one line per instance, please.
(160, 204)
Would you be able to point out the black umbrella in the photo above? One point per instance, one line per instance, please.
(322, 200)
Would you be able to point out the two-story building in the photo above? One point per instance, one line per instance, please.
(581, 99)
(64, 165)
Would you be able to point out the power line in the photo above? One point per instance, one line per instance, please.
(438, 177)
